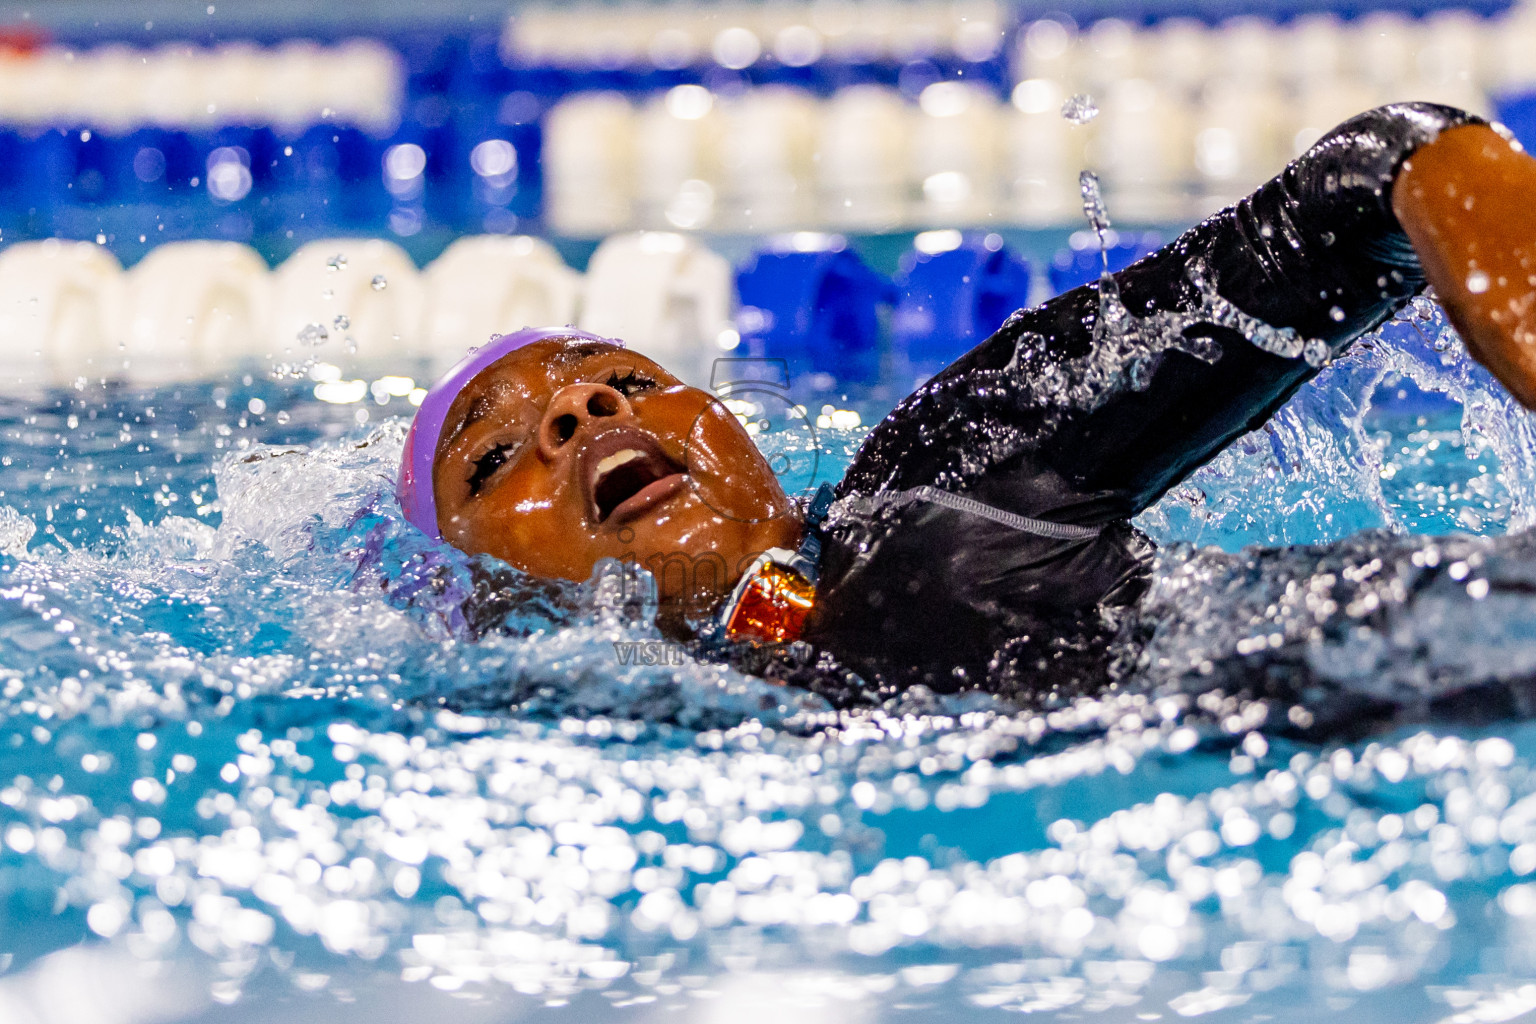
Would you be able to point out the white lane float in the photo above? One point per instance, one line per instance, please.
(767, 149)
(340, 299)
(60, 310)
(195, 309)
(589, 143)
(863, 142)
(953, 153)
(666, 296)
(485, 285)
(1044, 152)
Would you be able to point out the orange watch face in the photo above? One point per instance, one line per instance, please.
(773, 606)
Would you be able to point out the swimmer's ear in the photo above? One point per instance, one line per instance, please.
(1468, 203)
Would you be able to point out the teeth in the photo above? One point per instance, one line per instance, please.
(617, 459)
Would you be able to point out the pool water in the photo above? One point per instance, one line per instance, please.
(248, 761)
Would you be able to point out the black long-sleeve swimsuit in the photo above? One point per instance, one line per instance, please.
(1062, 427)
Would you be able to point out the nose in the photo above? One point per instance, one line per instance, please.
(576, 406)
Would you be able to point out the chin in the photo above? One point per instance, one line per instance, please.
(695, 574)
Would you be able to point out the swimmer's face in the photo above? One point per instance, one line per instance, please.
(569, 451)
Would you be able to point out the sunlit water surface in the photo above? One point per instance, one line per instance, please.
(226, 767)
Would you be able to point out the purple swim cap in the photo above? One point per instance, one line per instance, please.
(414, 488)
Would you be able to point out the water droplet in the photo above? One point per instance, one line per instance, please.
(337, 262)
(313, 334)
(1336, 314)
(1093, 201)
(1079, 108)
(379, 283)
(1329, 238)
(342, 321)
(1477, 282)
(1095, 210)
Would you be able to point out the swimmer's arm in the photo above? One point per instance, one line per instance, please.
(1467, 201)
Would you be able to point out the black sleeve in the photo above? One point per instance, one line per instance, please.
(1317, 250)
(1085, 410)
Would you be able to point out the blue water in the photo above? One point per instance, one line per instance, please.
(247, 761)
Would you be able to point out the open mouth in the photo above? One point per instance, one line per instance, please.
(627, 473)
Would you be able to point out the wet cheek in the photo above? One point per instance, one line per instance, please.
(691, 531)
(532, 506)
(528, 519)
(720, 451)
(545, 546)
(743, 486)
(689, 527)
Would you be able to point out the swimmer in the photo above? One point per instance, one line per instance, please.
(981, 537)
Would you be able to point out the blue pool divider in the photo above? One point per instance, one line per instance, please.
(948, 301)
(1517, 112)
(819, 311)
(461, 90)
(822, 310)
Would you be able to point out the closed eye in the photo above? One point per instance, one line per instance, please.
(629, 383)
(487, 465)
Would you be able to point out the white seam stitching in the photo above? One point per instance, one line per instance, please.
(960, 503)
